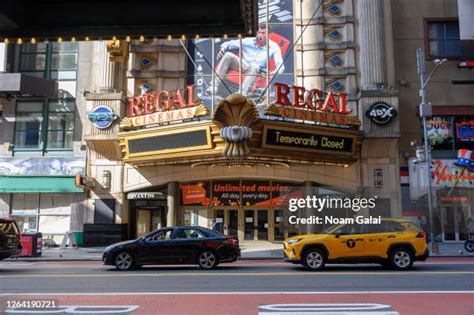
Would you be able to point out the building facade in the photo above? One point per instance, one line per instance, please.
(162, 143)
(444, 30)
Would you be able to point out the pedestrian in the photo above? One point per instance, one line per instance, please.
(213, 225)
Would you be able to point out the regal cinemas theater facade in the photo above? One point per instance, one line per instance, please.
(164, 149)
(234, 169)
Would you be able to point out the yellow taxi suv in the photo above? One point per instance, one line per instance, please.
(394, 243)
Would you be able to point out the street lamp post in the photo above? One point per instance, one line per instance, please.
(425, 112)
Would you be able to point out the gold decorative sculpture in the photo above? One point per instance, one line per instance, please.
(235, 115)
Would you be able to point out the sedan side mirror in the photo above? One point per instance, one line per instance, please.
(337, 234)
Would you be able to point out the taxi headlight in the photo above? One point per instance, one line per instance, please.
(291, 242)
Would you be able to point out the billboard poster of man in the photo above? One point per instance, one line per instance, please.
(246, 65)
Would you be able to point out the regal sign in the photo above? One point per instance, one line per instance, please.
(163, 107)
(311, 105)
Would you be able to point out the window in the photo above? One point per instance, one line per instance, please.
(391, 226)
(52, 61)
(188, 234)
(29, 125)
(60, 125)
(48, 125)
(443, 40)
(44, 126)
(378, 178)
(160, 236)
(349, 229)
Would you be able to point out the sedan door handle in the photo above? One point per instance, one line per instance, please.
(391, 236)
(359, 239)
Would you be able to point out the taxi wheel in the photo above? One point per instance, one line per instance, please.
(314, 259)
(124, 261)
(401, 258)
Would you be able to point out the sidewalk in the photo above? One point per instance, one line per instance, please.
(249, 251)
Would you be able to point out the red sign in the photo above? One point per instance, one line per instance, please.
(163, 100)
(311, 105)
(446, 173)
(194, 194)
(453, 199)
(311, 99)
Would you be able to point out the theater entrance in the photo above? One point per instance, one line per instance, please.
(247, 224)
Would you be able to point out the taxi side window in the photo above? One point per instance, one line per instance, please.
(390, 226)
(349, 229)
(374, 228)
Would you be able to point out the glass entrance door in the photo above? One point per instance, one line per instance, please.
(233, 222)
(249, 233)
(227, 222)
(454, 223)
(149, 220)
(262, 225)
(279, 234)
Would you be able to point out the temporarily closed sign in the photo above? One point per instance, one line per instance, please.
(308, 141)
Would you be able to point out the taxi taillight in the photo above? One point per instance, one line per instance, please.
(421, 235)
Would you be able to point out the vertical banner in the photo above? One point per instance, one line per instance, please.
(223, 66)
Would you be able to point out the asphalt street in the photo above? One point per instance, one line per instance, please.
(438, 286)
(243, 276)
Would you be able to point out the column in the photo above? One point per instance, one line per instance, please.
(172, 200)
(107, 75)
(371, 43)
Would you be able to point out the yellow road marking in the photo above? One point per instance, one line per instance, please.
(233, 274)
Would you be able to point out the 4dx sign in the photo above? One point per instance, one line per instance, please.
(381, 113)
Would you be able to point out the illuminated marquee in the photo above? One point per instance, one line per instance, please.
(311, 105)
(163, 107)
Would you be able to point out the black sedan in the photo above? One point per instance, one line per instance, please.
(174, 245)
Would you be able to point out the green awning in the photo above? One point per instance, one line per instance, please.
(38, 184)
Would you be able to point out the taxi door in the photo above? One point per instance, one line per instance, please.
(379, 239)
(347, 241)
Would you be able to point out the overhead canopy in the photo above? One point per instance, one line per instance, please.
(107, 18)
(38, 184)
(21, 84)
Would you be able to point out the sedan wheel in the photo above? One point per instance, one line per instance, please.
(207, 260)
(314, 259)
(124, 261)
(401, 259)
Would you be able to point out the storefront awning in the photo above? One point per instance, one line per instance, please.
(38, 184)
(21, 84)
